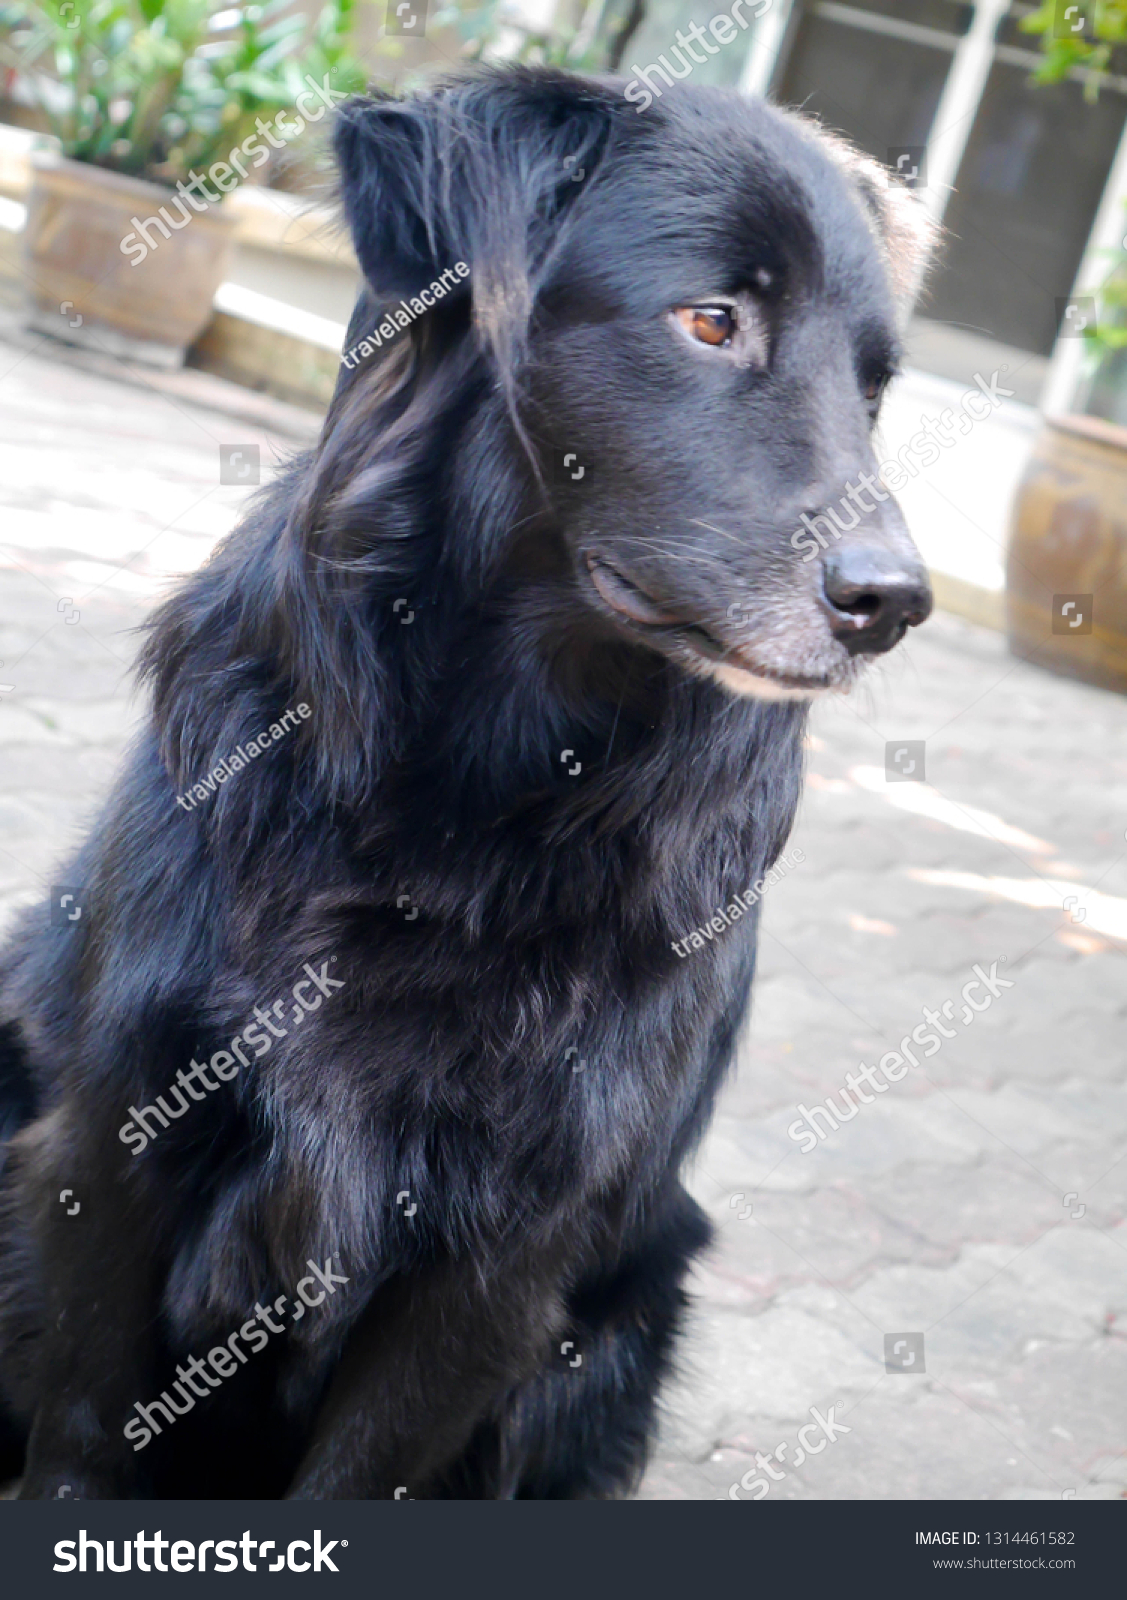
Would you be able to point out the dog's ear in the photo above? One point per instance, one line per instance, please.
(386, 154)
(481, 170)
(904, 229)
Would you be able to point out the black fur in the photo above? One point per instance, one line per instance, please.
(516, 1043)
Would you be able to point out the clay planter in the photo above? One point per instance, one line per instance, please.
(1066, 573)
(84, 288)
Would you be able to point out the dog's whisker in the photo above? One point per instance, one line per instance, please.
(681, 554)
(678, 550)
(698, 522)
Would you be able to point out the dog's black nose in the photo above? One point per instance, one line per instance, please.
(874, 596)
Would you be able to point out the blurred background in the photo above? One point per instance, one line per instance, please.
(942, 1280)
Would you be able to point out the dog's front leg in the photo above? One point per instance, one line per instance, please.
(92, 1348)
(423, 1365)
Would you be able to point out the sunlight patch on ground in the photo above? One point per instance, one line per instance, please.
(924, 801)
(1100, 913)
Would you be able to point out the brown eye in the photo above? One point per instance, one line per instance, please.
(875, 388)
(714, 325)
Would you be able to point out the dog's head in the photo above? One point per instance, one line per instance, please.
(688, 319)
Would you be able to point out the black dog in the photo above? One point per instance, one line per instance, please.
(545, 618)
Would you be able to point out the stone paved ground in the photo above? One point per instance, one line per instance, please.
(108, 490)
(978, 1202)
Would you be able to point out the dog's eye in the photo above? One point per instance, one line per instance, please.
(875, 387)
(714, 325)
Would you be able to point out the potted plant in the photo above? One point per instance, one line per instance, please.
(1066, 578)
(158, 108)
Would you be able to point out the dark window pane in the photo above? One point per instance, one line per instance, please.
(1024, 202)
(881, 92)
(1010, 30)
(948, 16)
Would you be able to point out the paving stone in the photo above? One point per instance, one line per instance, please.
(988, 1307)
(907, 1440)
(986, 1061)
(736, 1363)
(769, 1239)
(57, 767)
(997, 1198)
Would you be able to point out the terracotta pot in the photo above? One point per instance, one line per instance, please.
(1066, 572)
(85, 288)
